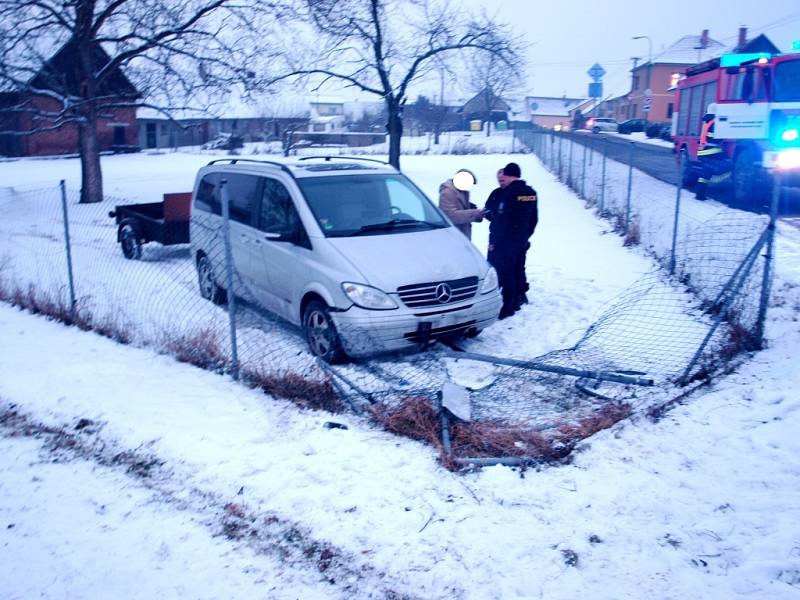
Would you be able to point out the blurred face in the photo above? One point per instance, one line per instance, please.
(502, 180)
(463, 180)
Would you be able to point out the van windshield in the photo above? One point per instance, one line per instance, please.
(351, 205)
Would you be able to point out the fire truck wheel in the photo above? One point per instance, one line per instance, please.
(688, 173)
(749, 182)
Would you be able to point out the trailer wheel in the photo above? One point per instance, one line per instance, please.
(129, 241)
(208, 282)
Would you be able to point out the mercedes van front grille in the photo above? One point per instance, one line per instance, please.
(438, 293)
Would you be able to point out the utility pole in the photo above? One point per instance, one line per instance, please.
(647, 95)
(635, 60)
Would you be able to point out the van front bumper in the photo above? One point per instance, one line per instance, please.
(366, 332)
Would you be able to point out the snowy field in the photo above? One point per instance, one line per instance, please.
(702, 504)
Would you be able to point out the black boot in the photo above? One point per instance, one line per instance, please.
(505, 312)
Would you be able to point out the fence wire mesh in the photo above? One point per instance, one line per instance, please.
(172, 298)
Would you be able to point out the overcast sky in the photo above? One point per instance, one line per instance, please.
(568, 37)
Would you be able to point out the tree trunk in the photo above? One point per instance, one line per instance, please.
(395, 130)
(488, 123)
(91, 175)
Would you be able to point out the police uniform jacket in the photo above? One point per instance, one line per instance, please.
(515, 214)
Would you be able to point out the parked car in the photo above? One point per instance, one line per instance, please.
(598, 124)
(350, 250)
(656, 130)
(632, 126)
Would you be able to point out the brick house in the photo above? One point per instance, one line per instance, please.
(668, 66)
(35, 133)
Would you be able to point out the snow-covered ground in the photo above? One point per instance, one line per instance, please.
(258, 498)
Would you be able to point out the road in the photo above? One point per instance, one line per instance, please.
(659, 162)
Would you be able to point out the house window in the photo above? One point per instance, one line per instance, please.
(669, 110)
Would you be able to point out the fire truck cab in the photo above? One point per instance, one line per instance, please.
(757, 119)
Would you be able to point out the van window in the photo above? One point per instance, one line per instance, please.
(242, 195)
(359, 204)
(277, 213)
(207, 198)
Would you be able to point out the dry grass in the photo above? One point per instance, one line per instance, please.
(58, 308)
(302, 391)
(204, 349)
(416, 418)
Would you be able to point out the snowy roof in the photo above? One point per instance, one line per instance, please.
(690, 50)
(551, 107)
(357, 108)
(236, 106)
(517, 109)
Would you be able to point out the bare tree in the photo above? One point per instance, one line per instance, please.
(69, 64)
(383, 46)
(491, 80)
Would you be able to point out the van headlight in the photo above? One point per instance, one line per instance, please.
(368, 297)
(489, 281)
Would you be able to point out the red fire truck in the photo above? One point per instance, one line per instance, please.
(757, 99)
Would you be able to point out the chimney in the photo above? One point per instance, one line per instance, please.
(704, 39)
(742, 37)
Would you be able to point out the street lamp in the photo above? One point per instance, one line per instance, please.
(649, 71)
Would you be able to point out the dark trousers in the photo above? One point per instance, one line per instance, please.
(509, 262)
(521, 277)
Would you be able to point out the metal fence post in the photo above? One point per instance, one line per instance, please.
(630, 181)
(583, 172)
(603, 179)
(226, 233)
(560, 156)
(569, 163)
(679, 187)
(69, 248)
(769, 258)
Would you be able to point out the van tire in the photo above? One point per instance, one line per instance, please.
(320, 333)
(209, 289)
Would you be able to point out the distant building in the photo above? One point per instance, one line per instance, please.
(549, 112)
(478, 108)
(252, 120)
(22, 112)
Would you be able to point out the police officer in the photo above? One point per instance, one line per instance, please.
(714, 165)
(514, 216)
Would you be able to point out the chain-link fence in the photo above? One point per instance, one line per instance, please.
(129, 273)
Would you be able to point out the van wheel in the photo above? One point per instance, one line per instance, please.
(129, 242)
(321, 334)
(208, 283)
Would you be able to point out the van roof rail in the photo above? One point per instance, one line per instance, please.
(233, 161)
(329, 157)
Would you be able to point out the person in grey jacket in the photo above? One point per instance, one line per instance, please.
(454, 201)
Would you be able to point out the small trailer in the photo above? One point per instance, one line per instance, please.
(165, 222)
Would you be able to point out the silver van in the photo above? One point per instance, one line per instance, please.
(348, 249)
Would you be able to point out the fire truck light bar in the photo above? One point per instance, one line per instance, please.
(734, 60)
